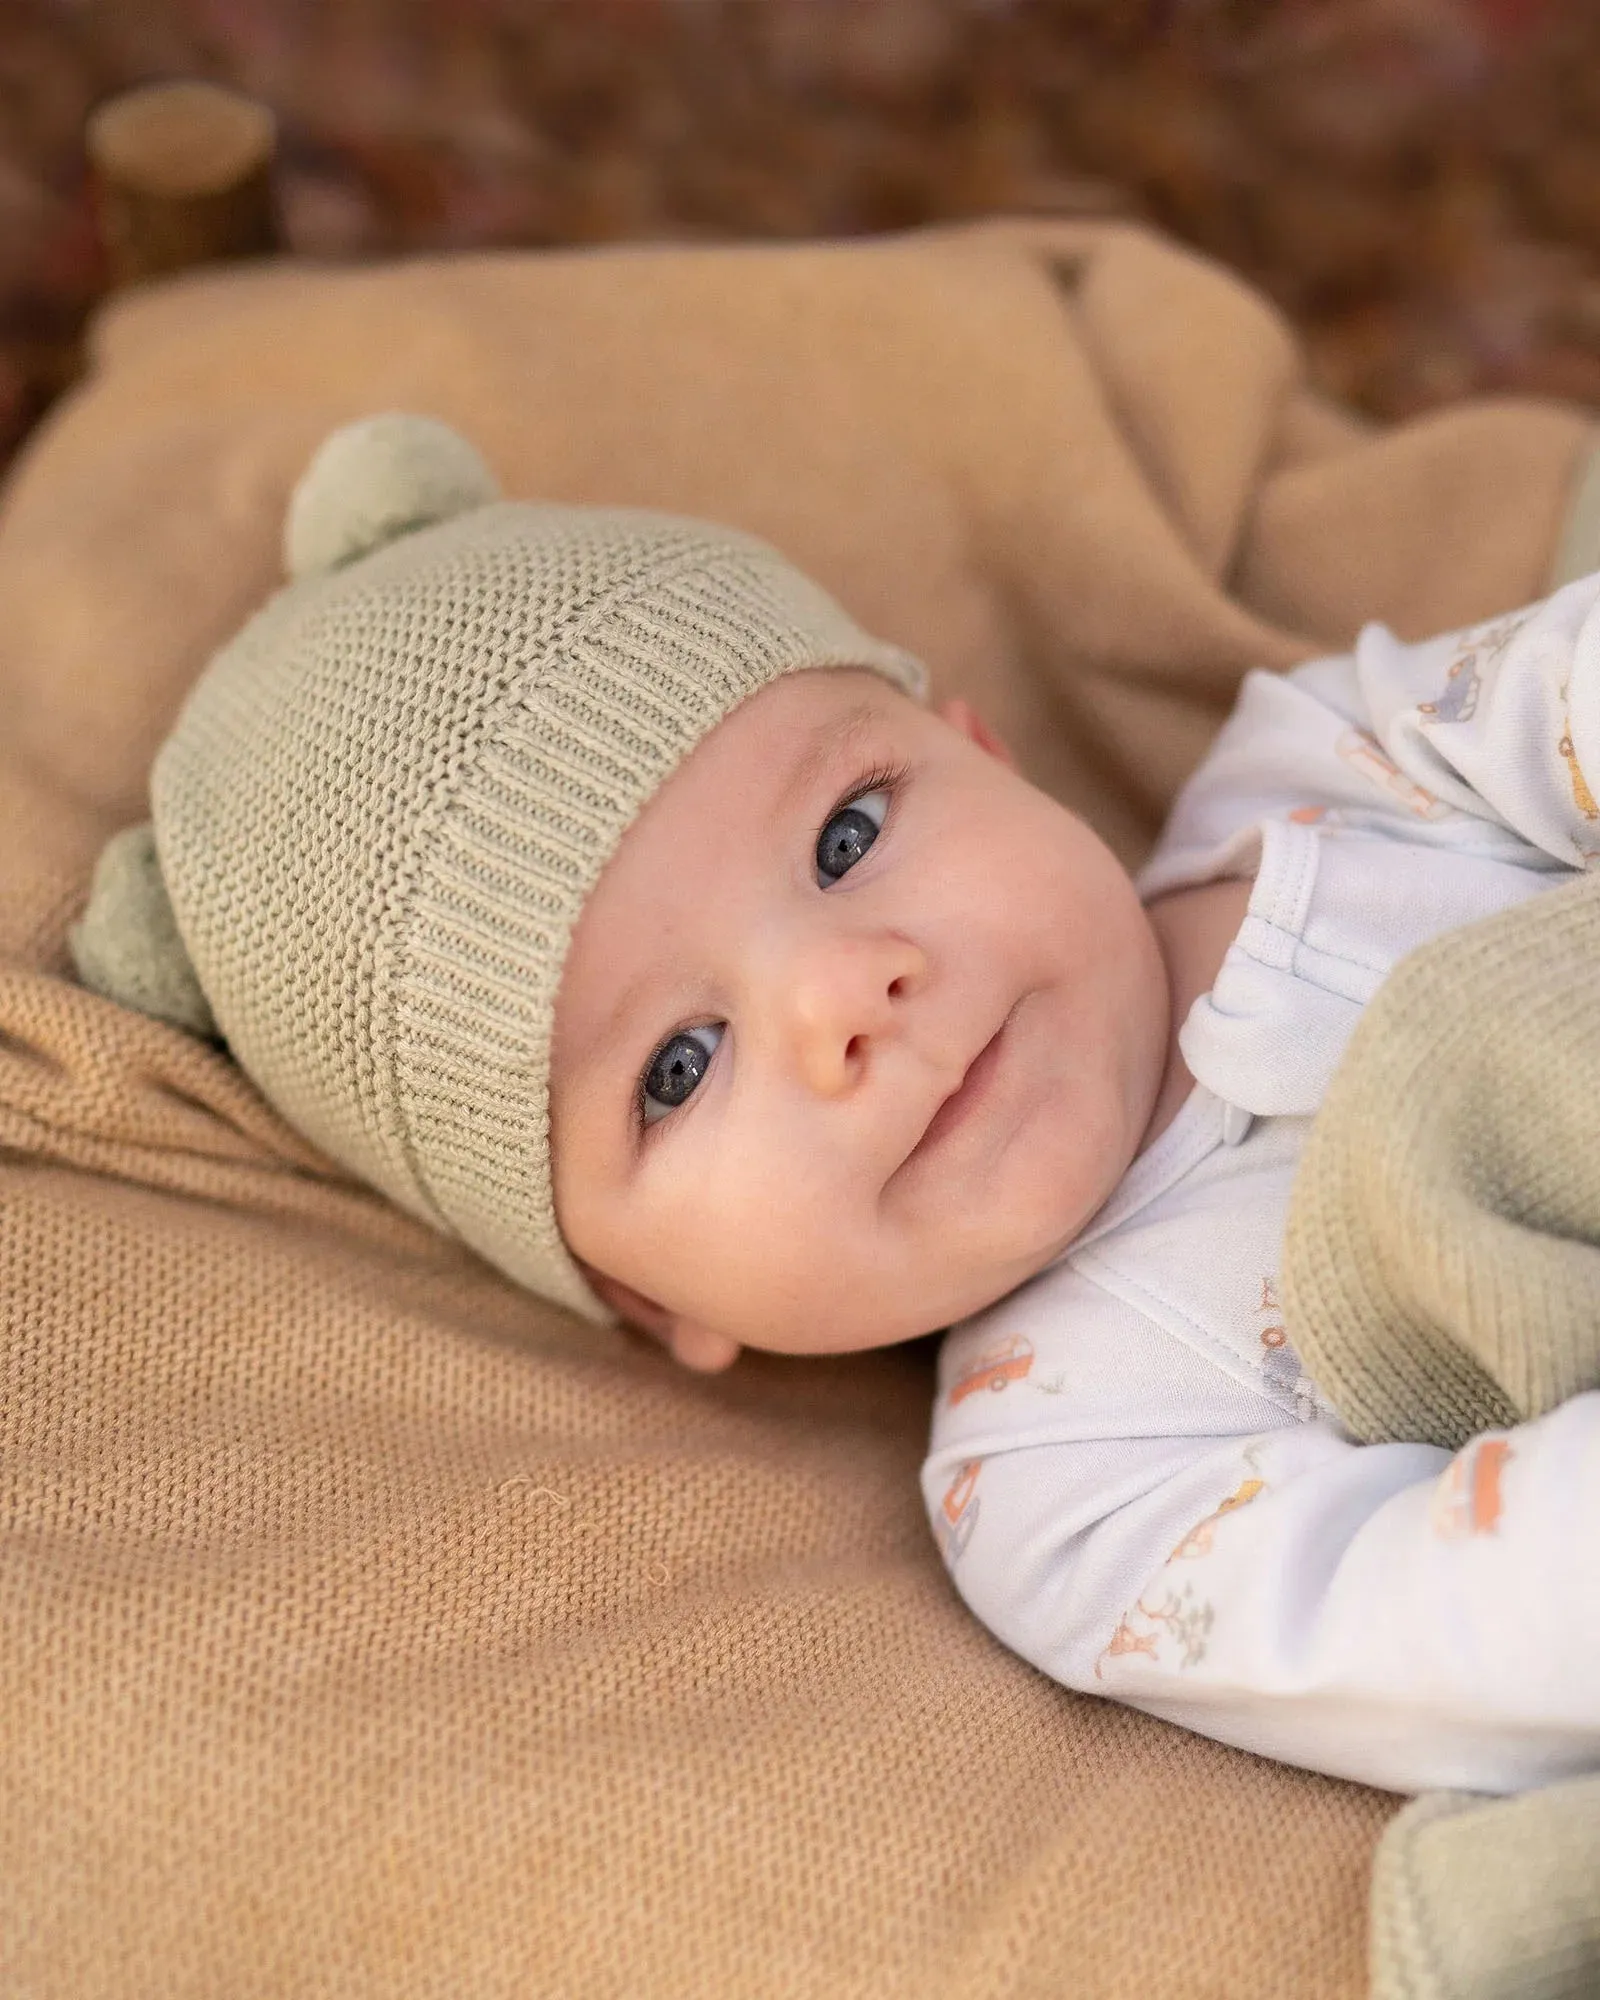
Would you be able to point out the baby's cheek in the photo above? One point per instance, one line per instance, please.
(768, 1271)
(765, 1232)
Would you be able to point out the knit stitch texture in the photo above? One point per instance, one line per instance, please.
(1442, 1256)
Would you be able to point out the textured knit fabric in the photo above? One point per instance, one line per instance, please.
(1137, 1482)
(369, 1629)
(1441, 1264)
(385, 801)
(127, 944)
(1497, 1901)
(377, 479)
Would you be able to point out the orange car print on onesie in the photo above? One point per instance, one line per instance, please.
(958, 1511)
(1364, 754)
(994, 1368)
(1468, 1498)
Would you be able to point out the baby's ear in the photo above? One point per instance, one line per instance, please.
(698, 1347)
(701, 1348)
(962, 716)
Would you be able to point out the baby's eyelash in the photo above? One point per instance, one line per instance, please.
(881, 778)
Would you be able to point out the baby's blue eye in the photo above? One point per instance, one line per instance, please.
(675, 1068)
(849, 833)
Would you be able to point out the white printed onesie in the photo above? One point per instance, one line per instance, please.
(1132, 1481)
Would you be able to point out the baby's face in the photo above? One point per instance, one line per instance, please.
(857, 1029)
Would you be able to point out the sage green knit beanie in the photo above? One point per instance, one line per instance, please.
(385, 801)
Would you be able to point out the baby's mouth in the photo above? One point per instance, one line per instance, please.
(968, 1095)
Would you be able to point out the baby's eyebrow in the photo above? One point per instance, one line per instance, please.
(830, 739)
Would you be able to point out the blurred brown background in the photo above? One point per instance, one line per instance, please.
(1416, 182)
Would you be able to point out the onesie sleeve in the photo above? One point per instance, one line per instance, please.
(1501, 721)
(1485, 740)
(1385, 1613)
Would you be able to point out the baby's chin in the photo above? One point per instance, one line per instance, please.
(890, 1288)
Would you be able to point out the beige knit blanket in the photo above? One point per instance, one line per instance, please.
(1441, 1277)
(368, 1629)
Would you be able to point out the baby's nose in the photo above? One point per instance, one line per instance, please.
(845, 997)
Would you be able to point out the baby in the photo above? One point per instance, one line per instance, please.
(588, 882)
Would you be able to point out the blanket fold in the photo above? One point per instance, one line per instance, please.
(1073, 467)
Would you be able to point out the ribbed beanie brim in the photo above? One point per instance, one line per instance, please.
(385, 802)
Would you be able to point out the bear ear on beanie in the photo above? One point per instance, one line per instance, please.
(374, 480)
(127, 948)
(367, 483)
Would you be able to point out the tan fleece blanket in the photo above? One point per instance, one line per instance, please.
(367, 1628)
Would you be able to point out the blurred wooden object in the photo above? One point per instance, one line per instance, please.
(182, 175)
